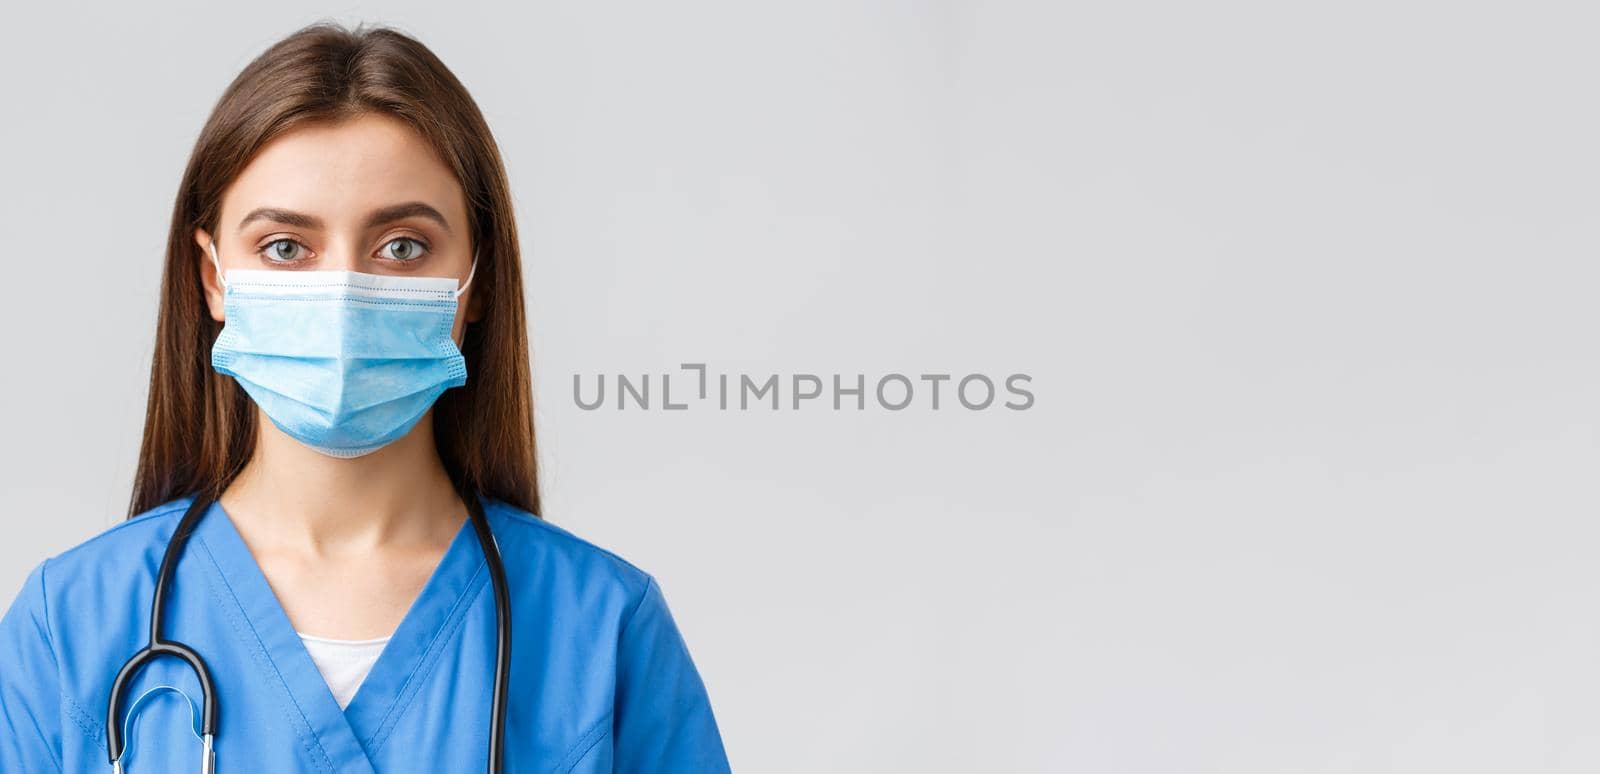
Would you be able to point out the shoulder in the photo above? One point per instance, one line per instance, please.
(117, 558)
(98, 572)
(115, 546)
(550, 555)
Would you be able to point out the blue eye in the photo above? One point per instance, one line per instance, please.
(282, 251)
(405, 249)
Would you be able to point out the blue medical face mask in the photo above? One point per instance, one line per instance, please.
(344, 362)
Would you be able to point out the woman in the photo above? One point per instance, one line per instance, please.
(338, 459)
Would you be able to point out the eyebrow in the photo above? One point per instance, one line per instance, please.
(377, 218)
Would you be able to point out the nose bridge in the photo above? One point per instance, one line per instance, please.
(346, 250)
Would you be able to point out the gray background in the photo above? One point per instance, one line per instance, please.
(1306, 293)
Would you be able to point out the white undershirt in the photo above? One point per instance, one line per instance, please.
(343, 663)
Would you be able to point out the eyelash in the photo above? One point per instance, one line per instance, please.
(262, 250)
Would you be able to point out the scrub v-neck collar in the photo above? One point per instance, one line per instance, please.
(348, 739)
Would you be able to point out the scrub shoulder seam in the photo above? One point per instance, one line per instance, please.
(643, 595)
(520, 517)
(154, 514)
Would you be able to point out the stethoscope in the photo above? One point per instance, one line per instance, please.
(158, 646)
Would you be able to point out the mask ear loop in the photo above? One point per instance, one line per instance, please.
(216, 263)
(470, 273)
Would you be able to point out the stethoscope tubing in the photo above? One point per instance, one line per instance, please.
(159, 646)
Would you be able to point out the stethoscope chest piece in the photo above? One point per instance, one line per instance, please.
(208, 755)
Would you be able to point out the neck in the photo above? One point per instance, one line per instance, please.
(291, 496)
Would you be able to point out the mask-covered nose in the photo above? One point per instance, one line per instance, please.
(343, 361)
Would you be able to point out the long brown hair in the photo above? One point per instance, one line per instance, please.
(200, 426)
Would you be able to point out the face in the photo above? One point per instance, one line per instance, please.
(368, 194)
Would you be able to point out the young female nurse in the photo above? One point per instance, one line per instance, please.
(333, 562)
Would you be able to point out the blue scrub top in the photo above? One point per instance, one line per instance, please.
(601, 679)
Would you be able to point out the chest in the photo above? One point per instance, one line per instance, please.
(424, 706)
(424, 716)
(348, 597)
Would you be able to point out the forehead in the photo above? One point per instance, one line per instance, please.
(341, 171)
